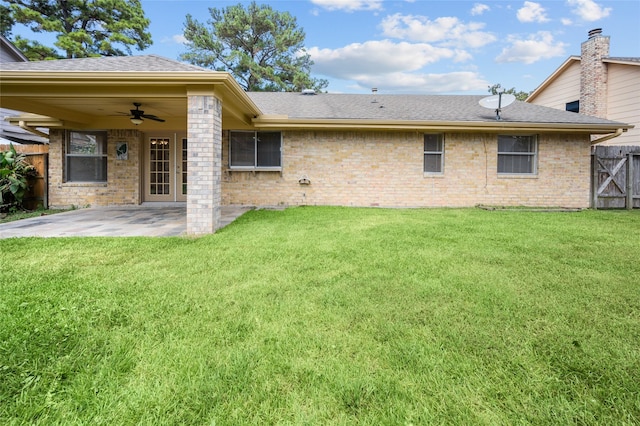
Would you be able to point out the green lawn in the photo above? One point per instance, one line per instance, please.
(319, 315)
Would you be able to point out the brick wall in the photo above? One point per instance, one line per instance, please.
(123, 183)
(386, 169)
(351, 169)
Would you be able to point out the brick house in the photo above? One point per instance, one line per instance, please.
(598, 85)
(218, 145)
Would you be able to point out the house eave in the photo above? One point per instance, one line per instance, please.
(283, 123)
(21, 90)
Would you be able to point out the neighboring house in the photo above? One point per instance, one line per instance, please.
(596, 84)
(219, 145)
(10, 133)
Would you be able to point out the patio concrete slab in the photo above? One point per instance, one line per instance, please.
(126, 221)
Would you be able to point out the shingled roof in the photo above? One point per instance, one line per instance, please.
(425, 108)
(300, 109)
(144, 63)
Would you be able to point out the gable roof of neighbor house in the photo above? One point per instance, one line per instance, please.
(9, 132)
(10, 53)
(633, 61)
(86, 92)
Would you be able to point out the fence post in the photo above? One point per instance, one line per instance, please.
(629, 186)
(45, 196)
(594, 179)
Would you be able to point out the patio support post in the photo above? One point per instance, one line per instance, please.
(204, 161)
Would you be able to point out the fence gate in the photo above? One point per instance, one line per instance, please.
(615, 177)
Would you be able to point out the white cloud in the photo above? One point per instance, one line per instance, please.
(398, 67)
(536, 47)
(479, 9)
(349, 5)
(400, 82)
(566, 21)
(379, 57)
(532, 12)
(448, 31)
(174, 39)
(589, 10)
(179, 38)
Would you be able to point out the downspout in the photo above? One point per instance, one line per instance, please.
(23, 125)
(617, 133)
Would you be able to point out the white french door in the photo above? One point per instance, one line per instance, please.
(165, 168)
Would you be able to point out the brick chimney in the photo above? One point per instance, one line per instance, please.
(593, 75)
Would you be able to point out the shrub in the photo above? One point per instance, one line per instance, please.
(14, 179)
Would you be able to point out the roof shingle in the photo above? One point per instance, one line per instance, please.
(143, 63)
(437, 108)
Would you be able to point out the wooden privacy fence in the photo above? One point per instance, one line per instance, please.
(37, 156)
(615, 177)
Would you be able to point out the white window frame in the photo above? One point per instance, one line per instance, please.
(531, 154)
(427, 152)
(69, 155)
(255, 166)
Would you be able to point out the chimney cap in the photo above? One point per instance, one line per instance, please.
(595, 32)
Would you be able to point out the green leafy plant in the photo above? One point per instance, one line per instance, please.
(14, 178)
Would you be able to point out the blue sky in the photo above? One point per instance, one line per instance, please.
(420, 46)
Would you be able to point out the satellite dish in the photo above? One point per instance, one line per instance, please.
(497, 102)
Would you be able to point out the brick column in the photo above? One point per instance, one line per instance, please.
(204, 134)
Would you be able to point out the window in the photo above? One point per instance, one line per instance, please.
(86, 157)
(517, 154)
(255, 150)
(433, 153)
(573, 106)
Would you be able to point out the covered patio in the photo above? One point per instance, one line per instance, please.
(147, 220)
(104, 152)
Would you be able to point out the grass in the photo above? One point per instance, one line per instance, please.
(329, 316)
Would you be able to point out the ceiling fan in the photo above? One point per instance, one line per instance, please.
(137, 115)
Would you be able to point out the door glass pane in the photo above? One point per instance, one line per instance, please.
(159, 163)
(184, 166)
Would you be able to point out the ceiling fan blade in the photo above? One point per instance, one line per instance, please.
(152, 117)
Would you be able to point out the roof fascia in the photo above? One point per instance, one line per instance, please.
(552, 77)
(620, 61)
(274, 122)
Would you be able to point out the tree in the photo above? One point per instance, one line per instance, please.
(520, 95)
(262, 48)
(6, 21)
(35, 51)
(84, 27)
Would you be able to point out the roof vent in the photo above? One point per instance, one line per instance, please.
(308, 92)
(595, 32)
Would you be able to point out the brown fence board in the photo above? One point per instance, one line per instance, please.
(616, 177)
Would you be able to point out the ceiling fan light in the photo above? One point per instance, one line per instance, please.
(136, 120)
